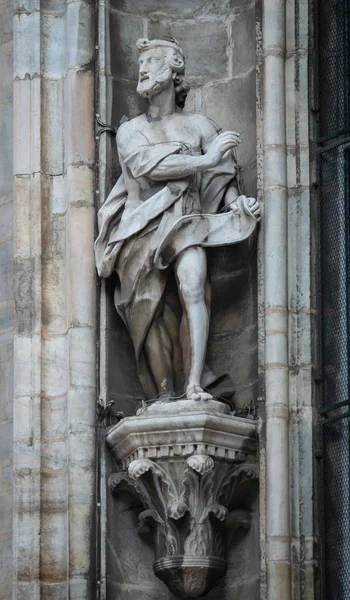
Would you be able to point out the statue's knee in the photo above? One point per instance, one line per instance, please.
(191, 274)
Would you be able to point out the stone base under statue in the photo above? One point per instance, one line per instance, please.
(185, 461)
(174, 407)
(193, 575)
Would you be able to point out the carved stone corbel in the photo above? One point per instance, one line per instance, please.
(187, 490)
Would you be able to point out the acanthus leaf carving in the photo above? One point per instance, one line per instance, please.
(201, 463)
(150, 515)
(166, 500)
(232, 478)
(186, 505)
(178, 510)
(215, 510)
(161, 487)
(118, 479)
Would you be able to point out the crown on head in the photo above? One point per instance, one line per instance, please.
(165, 41)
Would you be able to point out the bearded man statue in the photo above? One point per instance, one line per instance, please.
(177, 195)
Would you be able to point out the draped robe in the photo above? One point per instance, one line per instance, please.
(144, 226)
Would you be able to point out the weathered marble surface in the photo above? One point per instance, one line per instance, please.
(6, 297)
(55, 290)
(222, 88)
(180, 429)
(192, 470)
(226, 93)
(178, 170)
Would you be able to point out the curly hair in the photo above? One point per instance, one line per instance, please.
(181, 89)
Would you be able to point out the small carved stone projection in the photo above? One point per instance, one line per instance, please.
(194, 473)
(177, 195)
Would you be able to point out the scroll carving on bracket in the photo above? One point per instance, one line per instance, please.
(185, 505)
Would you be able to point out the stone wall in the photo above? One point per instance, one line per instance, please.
(55, 290)
(6, 298)
(218, 39)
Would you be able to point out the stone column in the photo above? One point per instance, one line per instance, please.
(288, 540)
(54, 406)
(276, 315)
(6, 298)
(300, 302)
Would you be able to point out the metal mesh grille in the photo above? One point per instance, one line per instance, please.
(334, 275)
(334, 55)
(334, 154)
(336, 437)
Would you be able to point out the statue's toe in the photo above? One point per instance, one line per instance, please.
(197, 394)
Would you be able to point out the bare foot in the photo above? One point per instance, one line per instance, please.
(195, 392)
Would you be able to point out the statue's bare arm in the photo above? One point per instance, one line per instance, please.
(181, 165)
(210, 131)
(232, 193)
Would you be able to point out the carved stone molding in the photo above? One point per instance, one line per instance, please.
(187, 494)
(181, 429)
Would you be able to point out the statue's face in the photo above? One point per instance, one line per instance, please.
(154, 72)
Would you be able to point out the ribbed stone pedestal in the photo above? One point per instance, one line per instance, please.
(185, 461)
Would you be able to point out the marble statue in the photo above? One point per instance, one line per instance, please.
(177, 195)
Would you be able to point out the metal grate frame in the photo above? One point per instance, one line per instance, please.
(334, 172)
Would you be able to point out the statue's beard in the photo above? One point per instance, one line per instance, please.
(155, 83)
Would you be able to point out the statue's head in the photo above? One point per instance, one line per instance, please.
(161, 63)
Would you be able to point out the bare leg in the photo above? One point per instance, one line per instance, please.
(191, 273)
(185, 345)
(159, 356)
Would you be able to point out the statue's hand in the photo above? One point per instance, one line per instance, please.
(254, 207)
(221, 144)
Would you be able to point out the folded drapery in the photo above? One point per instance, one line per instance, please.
(140, 239)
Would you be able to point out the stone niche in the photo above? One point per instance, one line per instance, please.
(218, 39)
